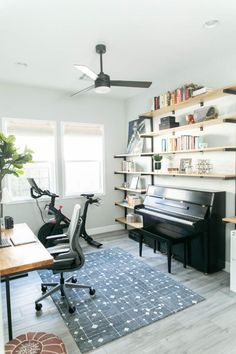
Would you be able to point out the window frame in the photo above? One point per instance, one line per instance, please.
(63, 172)
(53, 124)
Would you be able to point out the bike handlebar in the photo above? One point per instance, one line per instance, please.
(40, 193)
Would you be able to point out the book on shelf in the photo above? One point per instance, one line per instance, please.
(200, 91)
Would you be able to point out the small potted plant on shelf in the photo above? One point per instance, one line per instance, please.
(157, 162)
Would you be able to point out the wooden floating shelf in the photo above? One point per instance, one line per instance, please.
(134, 155)
(133, 173)
(201, 125)
(176, 174)
(131, 190)
(150, 173)
(231, 219)
(209, 149)
(210, 95)
(135, 225)
(124, 205)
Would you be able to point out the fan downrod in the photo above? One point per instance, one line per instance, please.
(100, 48)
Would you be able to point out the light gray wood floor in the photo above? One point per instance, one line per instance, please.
(208, 327)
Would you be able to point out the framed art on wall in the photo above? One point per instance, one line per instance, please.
(184, 163)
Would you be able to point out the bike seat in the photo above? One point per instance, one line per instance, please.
(87, 195)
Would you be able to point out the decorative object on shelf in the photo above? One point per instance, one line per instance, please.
(134, 182)
(184, 164)
(169, 159)
(130, 218)
(125, 184)
(204, 166)
(128, 166)
(173, 169)
(157, 162)
(200, 91)
(137, 127)
(133, 200)
(189, 119)
(203, 145)
(205, 113)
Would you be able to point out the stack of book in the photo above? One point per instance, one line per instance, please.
(168, 122)
(178, 95)
(183, 142)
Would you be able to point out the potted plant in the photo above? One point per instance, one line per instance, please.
(11, 162)
(157, 162)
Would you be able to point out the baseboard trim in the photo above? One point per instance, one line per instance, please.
(104, 229)
(227, 267)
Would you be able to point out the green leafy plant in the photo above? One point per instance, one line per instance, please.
(11, 161)
(157, 157)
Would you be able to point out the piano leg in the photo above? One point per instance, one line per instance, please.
(140, 244)
(157, 246)
(205, 253)
(185, 252)
(169, 254)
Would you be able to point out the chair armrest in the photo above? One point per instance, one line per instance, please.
(55, 237)
(58, 251)
(62, 240)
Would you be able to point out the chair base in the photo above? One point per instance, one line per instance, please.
(61, 286)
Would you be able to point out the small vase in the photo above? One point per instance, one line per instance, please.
(157, 166)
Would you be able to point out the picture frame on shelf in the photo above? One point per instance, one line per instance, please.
(134, 182)
(138, 126)
(184, 163)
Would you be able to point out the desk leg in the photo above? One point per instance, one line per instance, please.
(8, 299)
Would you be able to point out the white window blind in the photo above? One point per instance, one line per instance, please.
(39, 136)
(83, 158)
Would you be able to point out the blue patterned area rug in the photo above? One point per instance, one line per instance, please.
(129, 295)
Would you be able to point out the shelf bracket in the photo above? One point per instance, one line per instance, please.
(230, 91)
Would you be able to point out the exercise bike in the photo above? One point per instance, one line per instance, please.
(60, 222)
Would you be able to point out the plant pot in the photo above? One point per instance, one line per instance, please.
(157, 166)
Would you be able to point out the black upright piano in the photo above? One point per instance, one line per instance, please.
(196, 214)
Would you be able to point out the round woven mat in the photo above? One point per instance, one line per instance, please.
(35, 343)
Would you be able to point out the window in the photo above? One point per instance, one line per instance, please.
(83, 158)
(39, 136)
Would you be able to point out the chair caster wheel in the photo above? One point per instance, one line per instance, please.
(92, 292)
(44, 288)
(71, 309)
(38, 307)
(73, 280)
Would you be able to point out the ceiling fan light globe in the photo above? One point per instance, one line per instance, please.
(102, 89)
(102, 83)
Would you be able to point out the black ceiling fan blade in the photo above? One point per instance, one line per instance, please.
(81, 91)
(141, 84)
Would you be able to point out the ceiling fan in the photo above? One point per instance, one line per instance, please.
(102, 82)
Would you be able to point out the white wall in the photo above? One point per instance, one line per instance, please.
(214, 75)
(35, 103)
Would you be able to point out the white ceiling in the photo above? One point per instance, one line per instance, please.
(145, 39)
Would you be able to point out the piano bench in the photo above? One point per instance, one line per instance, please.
(170, 241)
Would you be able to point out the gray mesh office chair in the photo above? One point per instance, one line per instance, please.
(66, 259)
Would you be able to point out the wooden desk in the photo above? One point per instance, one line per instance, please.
(24, 257)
